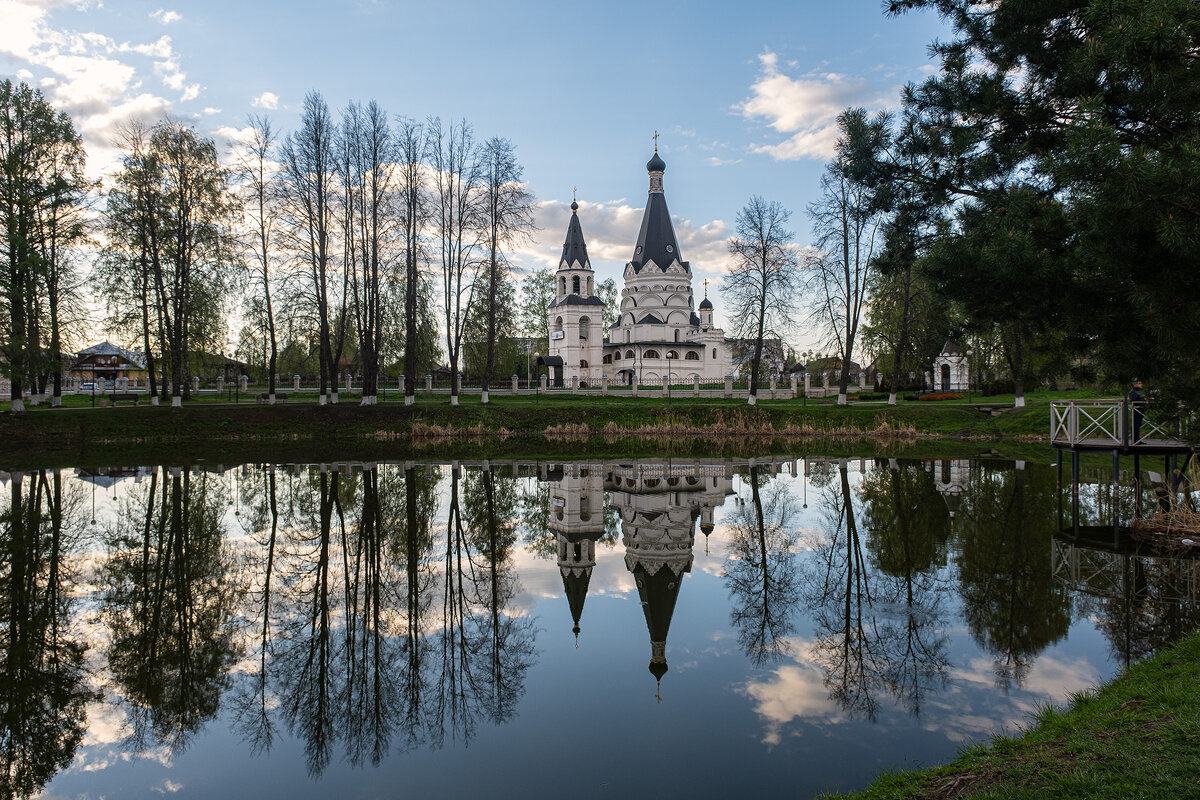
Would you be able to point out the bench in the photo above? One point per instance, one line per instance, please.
(116, 398)
(264, 397)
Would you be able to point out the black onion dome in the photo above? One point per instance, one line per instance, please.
(574, 206)
(656, 164)
(706, 303)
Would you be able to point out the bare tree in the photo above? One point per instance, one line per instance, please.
(458, 178)
(414, 213)
(369, 155)
(256, 171)
(846, 220)
(309, 171)
(762, 281)
(508, 218)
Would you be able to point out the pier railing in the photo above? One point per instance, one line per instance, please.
(1105, 424)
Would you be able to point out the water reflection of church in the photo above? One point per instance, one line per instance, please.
(658, 506)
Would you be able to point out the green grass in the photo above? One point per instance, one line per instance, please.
(1138, 736)
(210, 424)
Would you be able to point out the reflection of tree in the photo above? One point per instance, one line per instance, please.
(452, 709)
(306, 669)
(839, 595)
(761, 572)
(1013, 606)
(414, 533)
(505, 641)
(42, 692)
(252, 701)
(168, 607)
(1157, 607)
(909, 529)
(372, 692)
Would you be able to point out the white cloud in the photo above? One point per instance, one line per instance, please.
(164, 17)
(268, 100)
(94, 78)
(805, 107)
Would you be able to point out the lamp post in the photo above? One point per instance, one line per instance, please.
(969, 381)
(537, 387)
(670, 357)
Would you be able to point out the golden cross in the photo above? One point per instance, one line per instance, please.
(656, 141)
(706, 288)
(574, 191)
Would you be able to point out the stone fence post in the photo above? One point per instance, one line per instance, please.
(195, 384)
(429, 383)
(543, 381)
(696, 385)
(295, 383)
(603, 384)
(729, 386)
(400, 384)
(220, 383)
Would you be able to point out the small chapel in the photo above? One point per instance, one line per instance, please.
(660, 331)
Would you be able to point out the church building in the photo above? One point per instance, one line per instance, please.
(659, 332)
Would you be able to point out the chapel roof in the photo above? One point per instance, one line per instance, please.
(574, 247)
(656, 240)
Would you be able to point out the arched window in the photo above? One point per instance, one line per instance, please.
(575, 285)
(672, 354)
(558, 324)
(609, 359)
(629, 354)
(714, 353)
(692, 356)
(616, 356)
(677, 334)
(584, 324)
(562, 282)
(650, 354)
(583, 364)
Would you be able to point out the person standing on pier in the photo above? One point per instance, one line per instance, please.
(1137, 402)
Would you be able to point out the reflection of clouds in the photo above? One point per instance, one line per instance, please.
(167, 787)
(974, 710)
(793, 691)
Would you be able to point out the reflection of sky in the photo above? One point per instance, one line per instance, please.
(750, 727)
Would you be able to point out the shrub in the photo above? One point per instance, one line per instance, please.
(941, 396)
(1003, 386)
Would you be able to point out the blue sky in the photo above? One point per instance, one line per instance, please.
(743, 95)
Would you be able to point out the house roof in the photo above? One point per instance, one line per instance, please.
(109, 349)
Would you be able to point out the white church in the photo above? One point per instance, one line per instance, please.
(660, 332)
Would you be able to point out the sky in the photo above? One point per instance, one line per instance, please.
(744, 96)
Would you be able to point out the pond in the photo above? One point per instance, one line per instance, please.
(780, 626)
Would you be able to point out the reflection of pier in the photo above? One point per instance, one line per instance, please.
(1095, 562)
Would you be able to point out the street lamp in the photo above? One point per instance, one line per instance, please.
(969, 381)
(670, 357)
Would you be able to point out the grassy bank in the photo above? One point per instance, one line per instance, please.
(557, 424)
(1135, 737)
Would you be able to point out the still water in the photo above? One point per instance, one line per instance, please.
(595, 629)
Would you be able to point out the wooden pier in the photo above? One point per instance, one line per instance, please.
(1097, 426)
(1108, 425)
